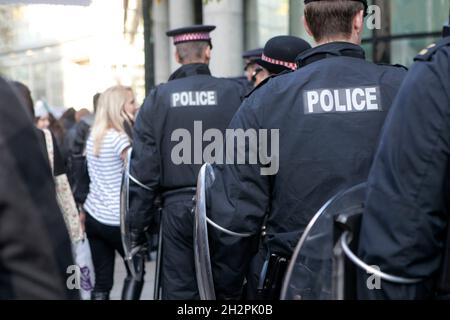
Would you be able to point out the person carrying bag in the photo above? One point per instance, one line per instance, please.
(80, 244)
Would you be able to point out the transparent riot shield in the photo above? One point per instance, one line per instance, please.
(323, 266)
(201, 243)
(310, 276)
(134, 257)
(124, 205)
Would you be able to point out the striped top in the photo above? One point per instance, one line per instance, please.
(105, 172)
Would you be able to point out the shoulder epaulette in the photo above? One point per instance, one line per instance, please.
(427, 53)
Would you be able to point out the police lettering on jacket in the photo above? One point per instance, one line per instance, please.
(194, 98)
(361, 99)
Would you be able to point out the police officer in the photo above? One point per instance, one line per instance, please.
(250, 57)
(405, 227)
(175, 115)
(325, 119)
(35, 249)
(279, 56)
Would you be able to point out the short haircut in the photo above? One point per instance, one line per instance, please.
(327, 19)
(190, 52)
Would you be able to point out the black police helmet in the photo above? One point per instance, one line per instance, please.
(191, 34)
(280, 53)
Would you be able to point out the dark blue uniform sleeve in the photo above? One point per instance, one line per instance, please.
(239, 200)
(145, 166)
(404, 227)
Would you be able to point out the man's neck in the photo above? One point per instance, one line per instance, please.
(195, 62)
(331, 40)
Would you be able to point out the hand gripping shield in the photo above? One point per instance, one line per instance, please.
(324, 265)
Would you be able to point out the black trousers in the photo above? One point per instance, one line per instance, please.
(105, 241)
(178, 268)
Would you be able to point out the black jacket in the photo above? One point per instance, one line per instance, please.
(35, 249)
(329, 115)
(191, 95)
(405, 224)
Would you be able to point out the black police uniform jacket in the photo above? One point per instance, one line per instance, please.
(170, 107)
(325, 147)
(405, 224)
(35, 249)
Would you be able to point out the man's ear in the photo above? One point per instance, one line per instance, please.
(208, 51)
(358, 23)
(307, 28)
(177, 57)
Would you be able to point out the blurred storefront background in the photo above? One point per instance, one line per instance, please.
(66, 53)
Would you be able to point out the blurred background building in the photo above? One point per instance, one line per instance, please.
(67, 53)
(407, 27)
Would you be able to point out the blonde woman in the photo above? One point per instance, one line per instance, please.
(106, 149)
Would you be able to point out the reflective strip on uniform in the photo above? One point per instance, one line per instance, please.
(363, 99)
(194, 98)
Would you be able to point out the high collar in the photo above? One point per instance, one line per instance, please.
(329, 50)
(189, 70)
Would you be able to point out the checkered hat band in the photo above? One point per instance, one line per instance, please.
(290, 65)
(199, 36)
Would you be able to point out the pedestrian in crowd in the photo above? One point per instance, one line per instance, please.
(68, 119)
(279, 56)
(70, 136)
(192, 97)
(81, 114)
(55, 159)
(405, 229)
(250, 57)
(44, 119)
(107, 146)
(246, 80)
(323, 123)
(41, 116)
(76, 163)
(59, 132)
(35, 249)
(24, 94)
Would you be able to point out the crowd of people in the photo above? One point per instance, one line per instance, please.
(336, 120)
(88, 150)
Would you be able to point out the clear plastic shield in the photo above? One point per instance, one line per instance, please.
(310, 273)
(133, 256)
(124, 205)
(201, 244)
(203, 267)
